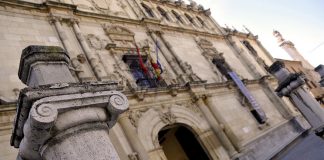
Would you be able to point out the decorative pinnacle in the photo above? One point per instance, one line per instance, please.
(278, 35)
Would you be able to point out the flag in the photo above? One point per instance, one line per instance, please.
(155, 66)
(145, 70)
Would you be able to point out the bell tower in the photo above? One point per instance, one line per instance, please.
(289, 47)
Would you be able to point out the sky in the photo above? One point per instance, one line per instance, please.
(300, 21)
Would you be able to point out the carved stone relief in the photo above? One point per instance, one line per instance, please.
(168, 118)
(133, 156)
(95, 42)
(210, 52)
(108, 7)
(188, 70)
(118, 75)
(134, 116)
(120, 36)
(164, 112)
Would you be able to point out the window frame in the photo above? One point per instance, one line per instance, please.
(190, 19)
(163, 13)
(148, 10)
(178, 16)
(203, 24)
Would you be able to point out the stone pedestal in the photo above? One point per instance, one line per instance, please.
(291, 85)
(320, 70)
(61, 119)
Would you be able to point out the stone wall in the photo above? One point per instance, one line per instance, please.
(96, 35)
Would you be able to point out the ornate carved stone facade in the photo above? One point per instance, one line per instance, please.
(183, 86)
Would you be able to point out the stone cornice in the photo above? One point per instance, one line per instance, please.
(179, 4)
(205, 87)
(48, 5)
(22, 4)
(147, 21)
(229, 85)
(240, 34)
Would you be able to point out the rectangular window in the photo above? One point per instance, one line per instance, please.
(145, 80)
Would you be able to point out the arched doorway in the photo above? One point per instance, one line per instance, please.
(179, 143)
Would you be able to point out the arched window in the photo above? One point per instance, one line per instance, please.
(148, 10)
(249, 47)
(191, 20)
(177, 16)
(201, 21)
(163, 13)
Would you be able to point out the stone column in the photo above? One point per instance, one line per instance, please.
(218, 130)
(219, 118)
(243, 57)
(185, 67)
(320, 70)
(92, 58)
(291, 85)
(62, 119)
(132, 137)
(79, 68)
(279, 104)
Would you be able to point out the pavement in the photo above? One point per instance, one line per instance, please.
(309, 148)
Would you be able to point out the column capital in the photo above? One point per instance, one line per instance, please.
(276, 66)
(320, 70)
(74, 20)
(52, 116)
(53, 19)
(199, 97)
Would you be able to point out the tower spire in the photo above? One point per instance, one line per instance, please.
(289, 47)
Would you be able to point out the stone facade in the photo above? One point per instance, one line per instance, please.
(301, 65)
(320, 70)
(312, 82)
(101, 38)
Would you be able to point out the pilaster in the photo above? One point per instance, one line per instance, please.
(184, 66)
(131, 135)
(216, 127)
(78, 61)
(173, 64)
(219, 117)
(92, 58)
(243, 57)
